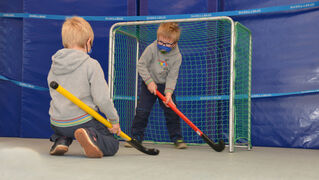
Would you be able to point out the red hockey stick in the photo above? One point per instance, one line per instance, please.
(217, 147)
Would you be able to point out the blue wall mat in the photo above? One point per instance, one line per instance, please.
(283, 53)
(285, 59)
(286, 122)
(77, 7)
(232, 5)
(10, 66)
(42, 38)
(168, 7)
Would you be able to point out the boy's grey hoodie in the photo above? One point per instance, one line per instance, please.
(83, 76)
(160, 68)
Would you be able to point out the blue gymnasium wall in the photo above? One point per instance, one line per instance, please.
(285, 59)
(26, 49)
(10, 66)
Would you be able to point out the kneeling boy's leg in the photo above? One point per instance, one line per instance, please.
(88, 140)
(61, 144)
(105, 139)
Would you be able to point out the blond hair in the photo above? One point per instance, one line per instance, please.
(76, 32)
(169, 30)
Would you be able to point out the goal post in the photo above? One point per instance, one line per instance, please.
(214, 85)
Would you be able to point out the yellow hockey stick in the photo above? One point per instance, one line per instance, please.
(97, 116)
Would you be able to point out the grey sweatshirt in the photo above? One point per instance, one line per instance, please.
(160, 68)
(83, 76)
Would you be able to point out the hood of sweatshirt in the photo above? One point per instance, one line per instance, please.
(65, 61)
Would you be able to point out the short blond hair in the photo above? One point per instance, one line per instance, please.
(169, 30)
(76, 31)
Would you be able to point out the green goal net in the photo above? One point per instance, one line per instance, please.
(213, 88)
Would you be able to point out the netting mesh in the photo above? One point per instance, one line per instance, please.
(242, 85)
(203, 86)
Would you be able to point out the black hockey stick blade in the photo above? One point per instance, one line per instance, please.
(217, 147)
(138, 146)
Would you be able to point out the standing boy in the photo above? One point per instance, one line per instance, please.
(159, 67)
